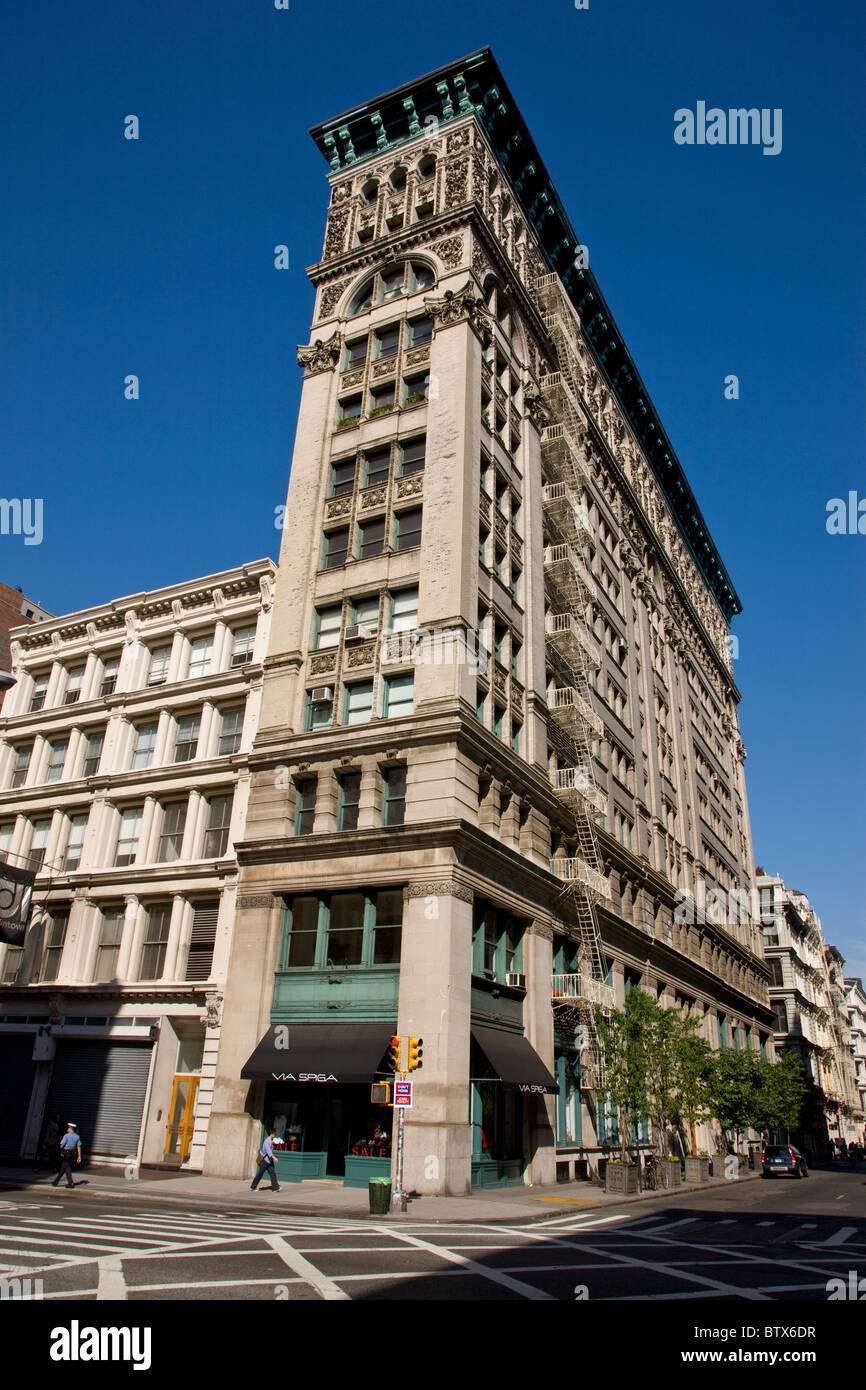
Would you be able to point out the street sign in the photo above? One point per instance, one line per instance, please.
(403, 1094)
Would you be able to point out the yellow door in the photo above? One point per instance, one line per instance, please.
(181, 1117)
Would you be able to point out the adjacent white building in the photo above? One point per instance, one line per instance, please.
(124, 784)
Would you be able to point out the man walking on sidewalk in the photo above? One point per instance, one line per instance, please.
(267, 1164)
(70, 1144)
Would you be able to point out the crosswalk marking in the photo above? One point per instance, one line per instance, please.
(838, 1237)
(474, 1266)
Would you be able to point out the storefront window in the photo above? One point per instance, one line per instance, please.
(340, 930)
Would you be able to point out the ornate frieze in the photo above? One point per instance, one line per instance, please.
(323, 663)
(338, 506)
(417, 355)
(361, 656)
(449, 251)
(335, 236)
(439, 888)
(410, 487)
(330, 297)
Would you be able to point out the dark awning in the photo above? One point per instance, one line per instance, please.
(516, 1063)
(319, 1052)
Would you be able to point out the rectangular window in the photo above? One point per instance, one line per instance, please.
(145, 743)
(483, 538)
(40, 690)
(499, 635)
(346, 929)
(73, 686)
(515, 656)
(392, 284)
(408, 529)
(55, 939)
(108, 950)
(350, 797)
(420, 331)
(358, 707)
(218, 821)
(306, 806)
(497, 948)
(498, 716)
(12, 964)
(303, 927)
(93, 753)
(394, 809)
(480, 699)
(382, 398)
(404, 610)
(343, 477)
(56, 759)
(155, 941)
(499, 562)
(319, 713)
(159, 659)
(515, 580)
(399, 696)
(188, 728)
(128, 835)
(356, 353)
(110, 672)
(329, 621)
(416, 389)
(38, 845)
(6, 832)
(202, 939)
(412, 456)
(243, 641)
(77, 829)
(372, 539)
(200, 657)
(365, 612)
(350, 409)
(171, 837)
(377, 467)
(231, 728)
(388, 926)
(388, 341)
(336, 548)
(516, 730)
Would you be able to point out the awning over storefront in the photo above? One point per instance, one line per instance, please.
(516, 1063)
(314, 1052)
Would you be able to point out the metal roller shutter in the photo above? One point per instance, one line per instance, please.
(101, 1086)
(202, 939)
(16, 1084)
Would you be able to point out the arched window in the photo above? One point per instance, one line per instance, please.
(427, 167)
(370, 190)
(392, 282)
(398, 179)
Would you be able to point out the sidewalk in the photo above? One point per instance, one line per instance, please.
(332, 1199)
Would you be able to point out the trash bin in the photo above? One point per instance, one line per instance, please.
(380, 1196)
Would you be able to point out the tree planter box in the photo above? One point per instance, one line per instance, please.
(697, 1170)
(620, 1177)
(671, 1171)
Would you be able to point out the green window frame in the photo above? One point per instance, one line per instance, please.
(404, 610)
(516, 731)
(358, 703)
(365, 612)
(407, 529)
(420, 331)
(343, 477)
(377, 466)
(497, 942)
(388, 341)
(498, 719)
(319, 713)
(350, 799)
(371, 538)
(412, 456)
(336, 550)
(306, 811)
(351, 930)
(356, 353)
(394, 801)
(399, 698)
(329, 622)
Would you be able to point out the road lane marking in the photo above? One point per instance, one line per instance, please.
(838, 1237)
(308, 1272)
(112, 1285)
(525, 1290)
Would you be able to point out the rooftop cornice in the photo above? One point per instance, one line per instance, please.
(475, 85)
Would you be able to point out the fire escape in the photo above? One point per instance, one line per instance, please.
(573, 654)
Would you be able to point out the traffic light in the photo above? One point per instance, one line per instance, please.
(394, 1054)
(416, 1046)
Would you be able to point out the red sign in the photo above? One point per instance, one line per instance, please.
(403, 1094)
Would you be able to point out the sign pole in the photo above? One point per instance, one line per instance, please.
(400, 1195)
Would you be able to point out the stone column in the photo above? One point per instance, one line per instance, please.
(435, 997)
(129, 931)
(178, 904)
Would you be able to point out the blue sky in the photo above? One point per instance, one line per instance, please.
(155, 257)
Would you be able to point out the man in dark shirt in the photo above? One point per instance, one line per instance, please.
(70, 1144)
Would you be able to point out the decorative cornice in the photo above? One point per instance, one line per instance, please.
(319, 356)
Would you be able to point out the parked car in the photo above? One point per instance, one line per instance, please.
(781, 1158)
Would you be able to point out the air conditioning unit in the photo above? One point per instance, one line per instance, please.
(358, 633)
(516, 981)
(322, 695)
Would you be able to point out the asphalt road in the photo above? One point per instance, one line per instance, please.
(763, 1241)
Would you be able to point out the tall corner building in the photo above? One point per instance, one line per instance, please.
(498, 771)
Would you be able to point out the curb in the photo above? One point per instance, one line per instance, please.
(359, 1213)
